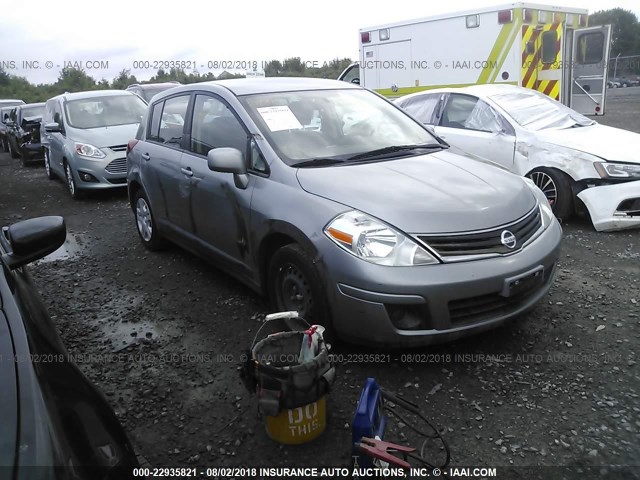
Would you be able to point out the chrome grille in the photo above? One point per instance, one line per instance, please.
(485, 242)
(117, 166)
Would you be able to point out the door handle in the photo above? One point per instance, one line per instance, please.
(187, 171)
(145, 156)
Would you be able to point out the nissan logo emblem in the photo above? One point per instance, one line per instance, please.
(508, 239)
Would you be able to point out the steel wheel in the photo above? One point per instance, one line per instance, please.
(294, 291)
(545, 183)
(143, 219)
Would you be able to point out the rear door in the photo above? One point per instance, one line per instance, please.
(590, 57)
(166, 182)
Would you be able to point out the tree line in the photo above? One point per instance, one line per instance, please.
(73, 79)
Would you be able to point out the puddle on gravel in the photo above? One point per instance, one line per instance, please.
(116, 326)
(71, 248)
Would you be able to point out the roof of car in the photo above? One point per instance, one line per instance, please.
(249, 86)
(150, 85)
(477, 90)
(28, 105)
(93, 94)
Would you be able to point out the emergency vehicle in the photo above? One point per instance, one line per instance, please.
(547, 48)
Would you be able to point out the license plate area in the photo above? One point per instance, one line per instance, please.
(523, 282)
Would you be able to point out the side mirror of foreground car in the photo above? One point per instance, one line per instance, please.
(51, 127)
(31, 240)
(229, 160)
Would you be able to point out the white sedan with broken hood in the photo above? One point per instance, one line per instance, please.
(565, 153)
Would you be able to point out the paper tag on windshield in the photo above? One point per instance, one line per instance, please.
(279, 118)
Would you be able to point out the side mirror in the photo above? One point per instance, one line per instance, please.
(229, 160)
(356, 81)
(52, 127)
(31, 240)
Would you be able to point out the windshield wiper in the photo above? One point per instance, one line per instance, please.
(397, 148)
(317, 162)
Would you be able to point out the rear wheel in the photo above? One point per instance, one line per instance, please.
(556, 186)
(145, 223)
(47, 164)
(294, 285)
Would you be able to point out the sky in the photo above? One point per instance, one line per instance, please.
(38, 37)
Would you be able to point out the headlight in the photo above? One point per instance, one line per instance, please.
(373, 241)
(617, 170)
(89, 151)
(545, 209)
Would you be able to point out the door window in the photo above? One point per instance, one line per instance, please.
(214, 125)
(471, 113)
(421, 107)
(174, 113)
(549, 46)
(590, 48)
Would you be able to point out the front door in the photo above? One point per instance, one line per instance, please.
(220, 210)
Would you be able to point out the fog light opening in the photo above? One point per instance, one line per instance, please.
(408, 317)
(87, 177)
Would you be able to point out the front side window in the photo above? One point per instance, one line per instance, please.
(105, 111)
(471, 113)
(333, 125)
(214, 126)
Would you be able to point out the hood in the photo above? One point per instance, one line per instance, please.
(609, 143)
(435, 193)
(104, 136)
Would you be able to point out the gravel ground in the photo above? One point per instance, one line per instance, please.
(161, 334)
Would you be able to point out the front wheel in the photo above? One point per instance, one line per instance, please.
(556, 186)
(47, 164)
(294, 285)
(71, 183)
(145, 223)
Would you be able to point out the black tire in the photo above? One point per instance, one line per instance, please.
(146, 224)
(556, 186)
(5, 144)
(12, 152)
(294, 284)
(47, 164)
(75, 193)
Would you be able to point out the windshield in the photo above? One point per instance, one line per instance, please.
(536, 111)
(105, 111)
(32, 111)
(321, 125)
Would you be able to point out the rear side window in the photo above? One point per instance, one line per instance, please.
(154, 129)
(167, 120)
(214, 125)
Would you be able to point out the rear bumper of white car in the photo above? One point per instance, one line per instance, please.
(613, 207)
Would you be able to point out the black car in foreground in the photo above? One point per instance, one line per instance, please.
(23, 132)
(54, 424)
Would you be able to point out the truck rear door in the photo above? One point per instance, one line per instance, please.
(590, 58)
(387, 67)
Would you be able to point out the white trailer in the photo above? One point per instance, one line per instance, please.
(547, 48)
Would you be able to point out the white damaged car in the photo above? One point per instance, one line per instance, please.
(565, 153)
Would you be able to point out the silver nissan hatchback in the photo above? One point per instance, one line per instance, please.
(337, 204)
